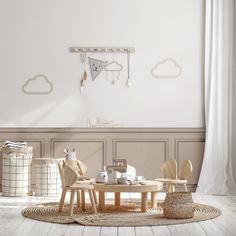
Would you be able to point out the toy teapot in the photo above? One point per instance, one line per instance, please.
(102, 177)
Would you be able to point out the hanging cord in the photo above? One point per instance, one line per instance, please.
(128, 83)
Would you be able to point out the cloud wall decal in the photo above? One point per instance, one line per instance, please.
(38, 85)
(167, 68)
(113, 66)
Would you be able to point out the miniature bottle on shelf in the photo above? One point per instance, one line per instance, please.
(98, 122)
(89, 123)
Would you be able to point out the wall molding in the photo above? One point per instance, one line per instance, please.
(31, 140)
(109, 138)
(101, 130)
(80, 140)
(190, 140)
(141, 140)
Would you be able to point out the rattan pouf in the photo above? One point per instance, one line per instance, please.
(16, 171)
(178, 205)
(47, 176)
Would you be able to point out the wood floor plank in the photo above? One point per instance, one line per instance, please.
(126, 231)
(24, 228)
(12, 223)
(74, 230)
(143, 231)
(192, 229)
(40, 228)
(11, 226)
(91, 231)
(210, 228)
(160, 231)
(225, 224)
(58, 229)
(109, 231)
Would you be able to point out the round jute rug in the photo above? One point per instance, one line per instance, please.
(126, 215)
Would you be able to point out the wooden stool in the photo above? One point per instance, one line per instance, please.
(70, 177)
(78, 188)
(170, 170)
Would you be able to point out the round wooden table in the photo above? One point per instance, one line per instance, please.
(150, 186)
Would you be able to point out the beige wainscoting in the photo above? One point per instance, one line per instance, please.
(144, 148)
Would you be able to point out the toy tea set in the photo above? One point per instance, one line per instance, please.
(119, 173)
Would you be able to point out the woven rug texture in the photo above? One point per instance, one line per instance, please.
(125, 215)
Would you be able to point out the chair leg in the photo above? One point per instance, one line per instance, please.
(185, 187)
(169, 187)
(91, 196)
(72, 197)
(78, 198)
(95, 197)
(83, 200)
(173, 188)
(62, 200)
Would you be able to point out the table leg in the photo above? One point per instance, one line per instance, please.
(91, 196)
(153, 199)
(101, 202)
(144, 200)
(78, 198)
(117, 199)
(83, 200)
(95, 197)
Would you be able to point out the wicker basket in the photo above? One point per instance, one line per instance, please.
(16, 171)
(48, 181)
(178, 205)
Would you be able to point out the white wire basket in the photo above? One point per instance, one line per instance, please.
(47, 176)
(16, 171)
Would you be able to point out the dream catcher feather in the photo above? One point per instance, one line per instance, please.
(84, 74)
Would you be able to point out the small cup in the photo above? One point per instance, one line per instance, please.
(139, 178)
(122, 180)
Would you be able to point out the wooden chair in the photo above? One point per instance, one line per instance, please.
(70, 183)
(170, 170)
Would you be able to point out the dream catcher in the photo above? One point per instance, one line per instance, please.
(114, 69)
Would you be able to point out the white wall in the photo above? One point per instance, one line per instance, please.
(35, 36)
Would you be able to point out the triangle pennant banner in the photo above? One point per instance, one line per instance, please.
(96, 67)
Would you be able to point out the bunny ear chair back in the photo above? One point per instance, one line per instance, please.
(170, 170)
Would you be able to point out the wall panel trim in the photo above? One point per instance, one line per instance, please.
(102, 130)
(80, 140)
(109, 138)
(141, 140)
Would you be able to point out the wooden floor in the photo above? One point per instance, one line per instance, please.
(12, 223)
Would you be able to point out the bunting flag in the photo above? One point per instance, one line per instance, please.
(96, 67)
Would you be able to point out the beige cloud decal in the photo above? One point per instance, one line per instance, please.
(167, 68)
(38, 85)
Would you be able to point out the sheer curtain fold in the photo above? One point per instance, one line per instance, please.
(218, 174)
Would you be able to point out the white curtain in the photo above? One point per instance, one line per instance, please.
(218, 174)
